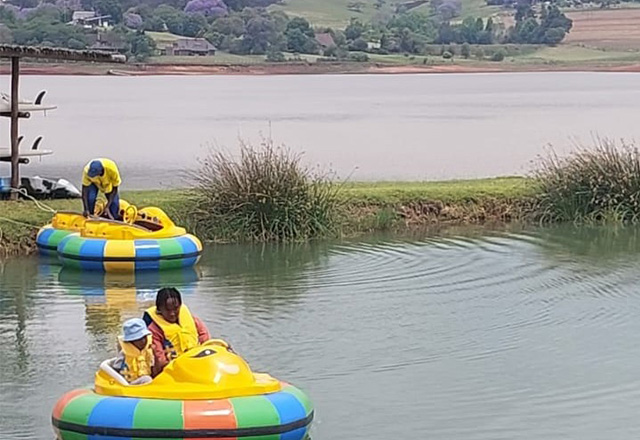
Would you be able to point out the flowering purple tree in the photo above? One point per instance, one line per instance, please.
(208, 8)
(25, 12)
(132, 20)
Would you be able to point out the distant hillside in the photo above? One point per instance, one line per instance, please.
(337, 13)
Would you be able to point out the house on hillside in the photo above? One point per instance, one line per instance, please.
(191, 47)
(325, 40)
(375, 44)
(109, 42)
(89, 19)
(79, 17)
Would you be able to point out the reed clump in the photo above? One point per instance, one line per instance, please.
(597, 184)
(265, 193)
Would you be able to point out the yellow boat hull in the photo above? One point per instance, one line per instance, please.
(150, 242)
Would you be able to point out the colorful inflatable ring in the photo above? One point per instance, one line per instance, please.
(206, 392)
(49, 238)
(149, 240)
(84, 253)
(286, 414)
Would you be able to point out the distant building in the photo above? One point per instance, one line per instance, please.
(325, 40)
(374, 45)
(107, 42)
(80, 17)
(191, 47)
(89, 19)
(104, 46)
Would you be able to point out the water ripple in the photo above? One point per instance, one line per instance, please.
(475, 335)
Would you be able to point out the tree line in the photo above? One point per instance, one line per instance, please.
(248, 27)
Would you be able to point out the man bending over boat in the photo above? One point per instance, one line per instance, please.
(101, 175)
(173, 328)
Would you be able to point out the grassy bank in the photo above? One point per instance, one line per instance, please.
(365, 207)
(268, 195)
(380, 206)
(518, 59)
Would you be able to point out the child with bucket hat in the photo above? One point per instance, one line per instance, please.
(135, 359)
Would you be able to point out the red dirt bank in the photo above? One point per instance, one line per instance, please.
(297, 68)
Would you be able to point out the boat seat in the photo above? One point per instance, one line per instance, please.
(107, 368)
(148, 225)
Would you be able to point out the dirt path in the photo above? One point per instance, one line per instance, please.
(295, 69)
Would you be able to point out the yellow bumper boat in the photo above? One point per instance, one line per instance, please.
(146, 240)
(208, 392)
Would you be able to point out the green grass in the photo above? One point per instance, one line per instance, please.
(220, 58)
(380, 201)
(567, 53)
(332, 13)
(449, 191)
(478, 8)
(224, 58)
(336, 14)
(26, 210)
(530, 55)
(398, 59)
(470, 8)
(418, 60)
(164, 39)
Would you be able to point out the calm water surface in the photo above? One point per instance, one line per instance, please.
(466, 335)
(378, 127)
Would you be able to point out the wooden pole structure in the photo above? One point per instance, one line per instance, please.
(15, 166)
(17, 52)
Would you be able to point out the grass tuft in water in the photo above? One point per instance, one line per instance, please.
(265, 194)
(600, 184)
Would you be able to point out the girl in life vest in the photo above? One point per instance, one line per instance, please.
(174, 330)
(135, 359)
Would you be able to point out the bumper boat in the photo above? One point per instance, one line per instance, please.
(146, 239)
(208, 392)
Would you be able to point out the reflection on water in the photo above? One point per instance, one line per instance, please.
(143, 284)
(15, 308)
(475, 334)
(112, 298)
(263, 277)
(596, 245)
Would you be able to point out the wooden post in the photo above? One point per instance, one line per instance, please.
(15, 167)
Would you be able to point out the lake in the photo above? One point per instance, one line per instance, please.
(363, 127)
(476, 334)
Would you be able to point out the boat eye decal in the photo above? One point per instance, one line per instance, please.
(205, 353)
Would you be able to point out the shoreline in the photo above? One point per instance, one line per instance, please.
(368, 208)
(86, 69)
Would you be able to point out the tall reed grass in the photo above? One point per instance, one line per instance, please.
(264, 194)
(598, 184)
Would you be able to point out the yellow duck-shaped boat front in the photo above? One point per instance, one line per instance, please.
(146, 239)
(208, 392)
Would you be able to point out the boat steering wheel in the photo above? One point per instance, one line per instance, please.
(99, 208)
(130, 214)
(219, 342)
